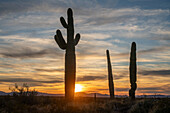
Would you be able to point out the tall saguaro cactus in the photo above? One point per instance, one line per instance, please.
(70, 57)
(133, 71)
(110, 76)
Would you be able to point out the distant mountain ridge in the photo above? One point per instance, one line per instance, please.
(3, 93)
(83, 94)
(39, 94)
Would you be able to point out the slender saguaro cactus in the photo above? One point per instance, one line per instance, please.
(110, 76)
(70, 57)
(133, 71)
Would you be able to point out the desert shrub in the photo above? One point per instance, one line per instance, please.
(24, 90)
(24, 94)
(142, 106)
(161, 106)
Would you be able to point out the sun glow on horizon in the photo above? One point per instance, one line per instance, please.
(78, 88)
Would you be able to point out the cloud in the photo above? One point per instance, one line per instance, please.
(116, 77)
(28, 52)
(160, 89)
(14, 6)
(18, 6)
(155, 49)
(90, 78)
(161, 73)
(103, 89)
(147, 51)
(162, 38)
(149, 88)
(26, 80)
(50, 70)
(122, 15)
(122, 89)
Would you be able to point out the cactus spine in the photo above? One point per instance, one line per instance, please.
(132, 69)
(70, 57)
(110, 76)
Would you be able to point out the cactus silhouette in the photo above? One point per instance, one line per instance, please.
(70, 57)
(132, 69)
(110, 76)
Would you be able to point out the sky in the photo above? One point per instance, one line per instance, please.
(29, 53)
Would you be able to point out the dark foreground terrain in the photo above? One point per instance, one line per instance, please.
(44, 104)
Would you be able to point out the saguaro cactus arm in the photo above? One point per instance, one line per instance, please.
(63, 22)
(60, 40)
(77, 38)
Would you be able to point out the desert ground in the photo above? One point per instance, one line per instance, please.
(52, 104)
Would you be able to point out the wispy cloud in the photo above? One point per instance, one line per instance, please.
(156, 49)
(50, 70)
(124, 15)
(28, 52)
(28, 80)
(161, 73)
(8, 7)
(153, 90)
(120, 76)
(90, 78)
(162, 38)
(147, 51)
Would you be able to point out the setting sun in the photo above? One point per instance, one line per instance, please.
(78, 88)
